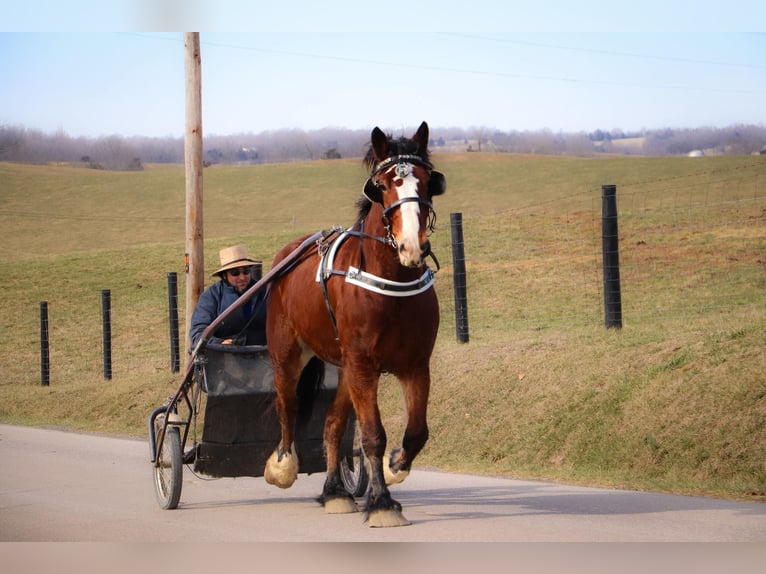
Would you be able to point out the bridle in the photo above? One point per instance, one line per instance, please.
(403, 169)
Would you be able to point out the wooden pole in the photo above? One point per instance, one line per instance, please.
(194, 259)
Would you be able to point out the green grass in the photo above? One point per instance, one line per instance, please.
(675, 401)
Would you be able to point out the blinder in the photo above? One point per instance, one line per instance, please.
(372, 191)
(437, 185)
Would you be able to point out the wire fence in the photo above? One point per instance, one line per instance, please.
(688, 246)
(703, 242)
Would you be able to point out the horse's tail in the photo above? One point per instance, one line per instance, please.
(309, 385)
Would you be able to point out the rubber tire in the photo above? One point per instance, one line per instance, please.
(168, 470)
(353, 469)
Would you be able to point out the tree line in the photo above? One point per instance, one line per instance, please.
(115, 152)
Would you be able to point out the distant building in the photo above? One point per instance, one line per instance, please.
(696, 153)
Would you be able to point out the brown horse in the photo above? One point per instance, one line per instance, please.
(364, 301)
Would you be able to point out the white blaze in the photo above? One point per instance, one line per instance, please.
(408, 239)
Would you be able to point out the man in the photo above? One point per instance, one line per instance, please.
(246, 325)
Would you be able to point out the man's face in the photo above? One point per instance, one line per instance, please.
(239, 278)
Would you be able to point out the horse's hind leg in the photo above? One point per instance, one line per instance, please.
(335, 498)
(416, 389)
(282, 466)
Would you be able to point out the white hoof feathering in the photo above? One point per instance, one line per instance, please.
(340, 506)
(387, 518)
(392, 478)
(282, 473)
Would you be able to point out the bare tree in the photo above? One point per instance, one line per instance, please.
(117, 152)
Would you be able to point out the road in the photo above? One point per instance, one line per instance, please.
(63, 486)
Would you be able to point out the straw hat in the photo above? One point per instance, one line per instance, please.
(233, 257)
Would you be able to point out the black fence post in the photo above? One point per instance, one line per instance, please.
(175, 344)
(459, 280)
(45, 356)
(611, 258)
(106, 319)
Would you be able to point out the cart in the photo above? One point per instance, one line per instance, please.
(222, 420)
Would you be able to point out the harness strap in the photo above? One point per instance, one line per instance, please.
(324, 271)
(387, 287)
(323, 284)
(396, 204)
(404, 158)
(356, 276)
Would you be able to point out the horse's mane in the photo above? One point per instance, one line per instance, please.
(400, 146)
(363, 206)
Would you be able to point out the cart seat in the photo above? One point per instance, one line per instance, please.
(241, 427)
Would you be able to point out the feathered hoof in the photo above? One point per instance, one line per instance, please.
(282, 473)
(387, 518)
(394, 478)
(340, 505)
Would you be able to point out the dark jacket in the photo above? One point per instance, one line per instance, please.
(217, 298)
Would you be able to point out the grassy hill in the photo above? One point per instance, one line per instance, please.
(675, 401)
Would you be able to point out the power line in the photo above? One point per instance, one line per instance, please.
(608, 52)
(455, 70)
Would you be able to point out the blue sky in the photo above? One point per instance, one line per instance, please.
(309, 65)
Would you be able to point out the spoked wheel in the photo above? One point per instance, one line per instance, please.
(353, 468)
(168, 470)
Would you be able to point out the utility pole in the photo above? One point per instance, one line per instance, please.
(194, 260)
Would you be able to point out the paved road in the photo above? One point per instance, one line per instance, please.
(62, 486)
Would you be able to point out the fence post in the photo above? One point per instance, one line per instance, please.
(45, 357)
(106, 319)
(458, 263)
(175, 353)
(611, 257)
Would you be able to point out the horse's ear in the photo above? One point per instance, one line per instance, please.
(437, 183)
(421, 136)
(379, 143)
(372, 191)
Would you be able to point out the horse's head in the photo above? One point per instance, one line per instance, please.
(403, 181)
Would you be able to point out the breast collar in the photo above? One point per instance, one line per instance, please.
(363, 279)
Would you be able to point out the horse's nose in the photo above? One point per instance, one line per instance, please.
(413, 257)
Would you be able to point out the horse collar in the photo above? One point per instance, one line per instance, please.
(365, 280)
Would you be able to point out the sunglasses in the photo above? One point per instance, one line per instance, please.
(236, 272)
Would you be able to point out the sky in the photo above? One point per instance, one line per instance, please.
(96, 69)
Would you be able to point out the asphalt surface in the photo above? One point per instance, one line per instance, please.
(62, 486)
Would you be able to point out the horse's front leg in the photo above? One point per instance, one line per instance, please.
(416, 389)
(282, 466)
(382, 510)
(335, 498)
